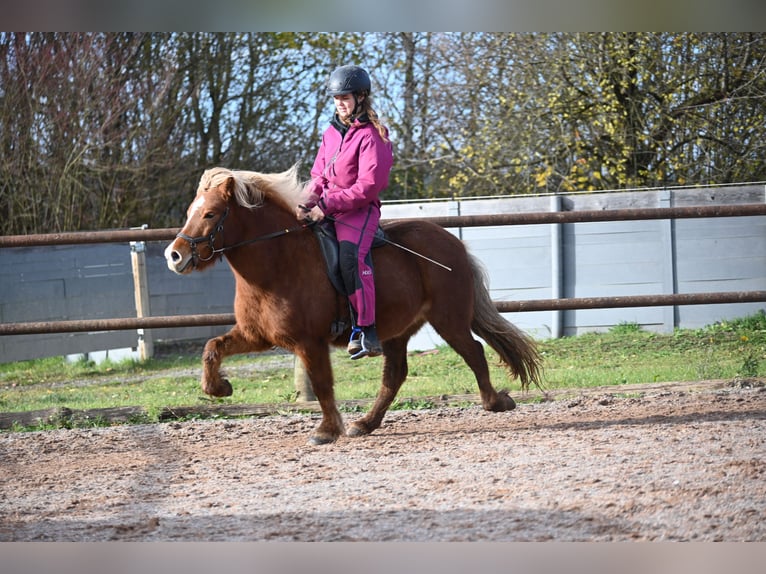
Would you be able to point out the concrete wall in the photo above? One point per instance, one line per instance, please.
(613, 258)
(525, 262)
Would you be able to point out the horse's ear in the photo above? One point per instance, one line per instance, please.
(228, 188)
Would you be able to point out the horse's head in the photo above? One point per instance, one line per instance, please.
(195, 245)
(220, 193)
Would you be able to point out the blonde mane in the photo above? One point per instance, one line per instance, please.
(251, 187)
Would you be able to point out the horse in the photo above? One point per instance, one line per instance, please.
(284, 297)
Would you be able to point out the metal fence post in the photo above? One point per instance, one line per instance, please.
(557, 271)
(669, 280)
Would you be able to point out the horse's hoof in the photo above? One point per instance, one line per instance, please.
(222, 389)
(507, 401)
(503, 402)
(357, 430)
(319, 440)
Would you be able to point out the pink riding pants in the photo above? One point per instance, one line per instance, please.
(355, 231)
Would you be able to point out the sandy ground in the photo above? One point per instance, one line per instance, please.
(661, 465)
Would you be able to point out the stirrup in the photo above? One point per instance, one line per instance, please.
(367, 349)
(355, 341)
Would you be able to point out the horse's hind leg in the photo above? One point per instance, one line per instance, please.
(394, 374)
(472, 352)
(232, 343)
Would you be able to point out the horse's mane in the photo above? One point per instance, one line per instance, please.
(251, 187)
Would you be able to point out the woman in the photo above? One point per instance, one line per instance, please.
(350, 170)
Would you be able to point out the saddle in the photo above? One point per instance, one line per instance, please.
(328, 243)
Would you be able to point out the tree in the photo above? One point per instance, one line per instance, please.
(102, 130)
(71, 107)
(617, 111)
(524, 113)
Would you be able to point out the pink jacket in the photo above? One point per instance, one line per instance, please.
(350, 172)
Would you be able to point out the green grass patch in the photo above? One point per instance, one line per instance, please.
(153, 384)
(624, 355)
(628, 355)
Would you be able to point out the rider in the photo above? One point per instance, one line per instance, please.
(350, 170)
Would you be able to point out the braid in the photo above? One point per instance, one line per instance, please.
(366, 108)
(375, 120)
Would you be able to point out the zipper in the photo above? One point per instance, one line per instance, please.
(335, 156)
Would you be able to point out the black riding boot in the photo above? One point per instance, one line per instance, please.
(367, 343)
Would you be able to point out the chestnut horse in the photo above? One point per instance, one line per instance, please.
(285, 299)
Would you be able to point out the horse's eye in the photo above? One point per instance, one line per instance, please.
(209, 215)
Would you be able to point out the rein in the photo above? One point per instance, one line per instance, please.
(210, 239)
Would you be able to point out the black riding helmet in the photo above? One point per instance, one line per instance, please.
(348, 80)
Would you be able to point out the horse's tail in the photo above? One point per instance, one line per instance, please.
(515, 348)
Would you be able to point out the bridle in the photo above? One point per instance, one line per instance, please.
(210, 239)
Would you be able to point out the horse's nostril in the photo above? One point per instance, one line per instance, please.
(175, 256)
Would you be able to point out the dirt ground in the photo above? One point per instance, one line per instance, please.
(658, 465)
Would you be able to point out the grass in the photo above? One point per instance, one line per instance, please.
(624, 355)
(628, 355)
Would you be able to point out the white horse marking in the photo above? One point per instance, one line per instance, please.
(196, 206)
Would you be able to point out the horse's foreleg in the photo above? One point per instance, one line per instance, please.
(232, 343)
(394, 374)
(316, 359)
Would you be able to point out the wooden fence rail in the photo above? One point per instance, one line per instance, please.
(136, 235)
(165, 234)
